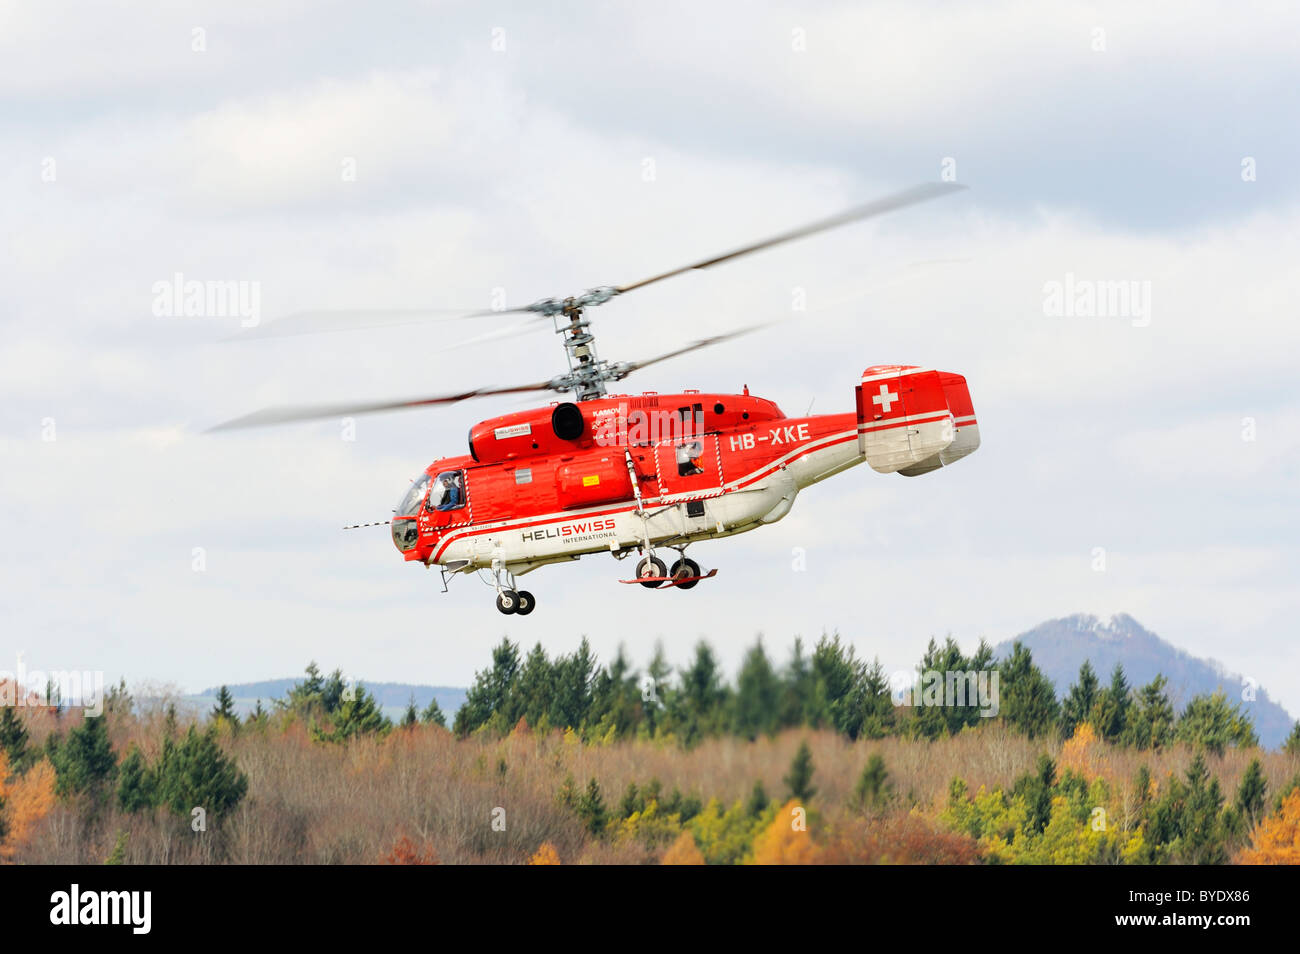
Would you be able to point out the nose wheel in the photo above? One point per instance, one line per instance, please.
(515, 602)
(511, 602)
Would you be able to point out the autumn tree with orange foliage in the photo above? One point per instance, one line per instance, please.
(1083, 753)
(787, 840)
(24, 800)
(1276, 839)
(545, 855)
(683, 851)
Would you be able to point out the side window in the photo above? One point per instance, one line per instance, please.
(448, 491)
(688, 459)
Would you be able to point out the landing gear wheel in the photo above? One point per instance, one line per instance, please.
(508, 602)
(526, 602)
(651, 566)
(683, 568)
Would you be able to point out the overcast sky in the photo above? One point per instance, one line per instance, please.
(423, 155)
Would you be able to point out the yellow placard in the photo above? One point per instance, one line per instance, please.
(591, 481)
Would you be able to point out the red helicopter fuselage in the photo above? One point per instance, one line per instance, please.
(627, 473)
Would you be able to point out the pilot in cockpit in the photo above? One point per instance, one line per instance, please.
(447, 495)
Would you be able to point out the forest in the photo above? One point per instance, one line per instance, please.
(820, 759)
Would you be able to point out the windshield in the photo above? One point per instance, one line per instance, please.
(411, 502)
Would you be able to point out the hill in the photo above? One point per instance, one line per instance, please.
(391, 696)
(1060, 646)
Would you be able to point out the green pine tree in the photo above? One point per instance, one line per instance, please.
(356, 714)
(432, 714)
(410, 717)
(491, 694)
(591, 808)
(1079, 701)
(84, 762)
(1151, 718)
(1292, 744)
(118, 856)
(259, 718)
(841, 698)
(1027, 698)
(1111, 712)
(224, 710)
(700, 706)
(1201, 840)
(1036, 789)
(119, 701)
(1251, 794)
(873, 790)
(1216, 723)
(799, 780)
(198, 774)
(757, 802)
(755, 706)
(137, 787)
(13, 737)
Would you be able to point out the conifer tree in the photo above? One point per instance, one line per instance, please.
(1292, 744)
(873, 788)
(432, 714)
(136, 783)
(591, 808)
(85, 763)
(13, 737)
(1078, 703)
(1151, 718)
(1251, 794)
(224, 710)
(839, 698)
(1111, 711)
(758, 693)
(490, 691)
(357, 714)
(410, 717)
(797, 689)
(799, 780)
(1026, 697)
(1201, 832)
(1036, 789)
(198, 774)
(1216, 723)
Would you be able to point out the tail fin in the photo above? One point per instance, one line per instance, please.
(914, 420)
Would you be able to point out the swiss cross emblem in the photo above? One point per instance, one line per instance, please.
(885, 398)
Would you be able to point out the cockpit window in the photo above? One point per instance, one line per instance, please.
(448, 491)
(411, 502)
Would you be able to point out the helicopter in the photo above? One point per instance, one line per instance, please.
(649, 473)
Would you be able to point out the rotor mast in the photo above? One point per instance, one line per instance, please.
(587, 373)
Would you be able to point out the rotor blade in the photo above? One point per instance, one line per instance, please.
(898, 200)
(352, 319)
(287, 414)
(519, 328)
(696, 345)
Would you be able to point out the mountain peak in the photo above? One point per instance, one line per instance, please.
(1060, 646)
